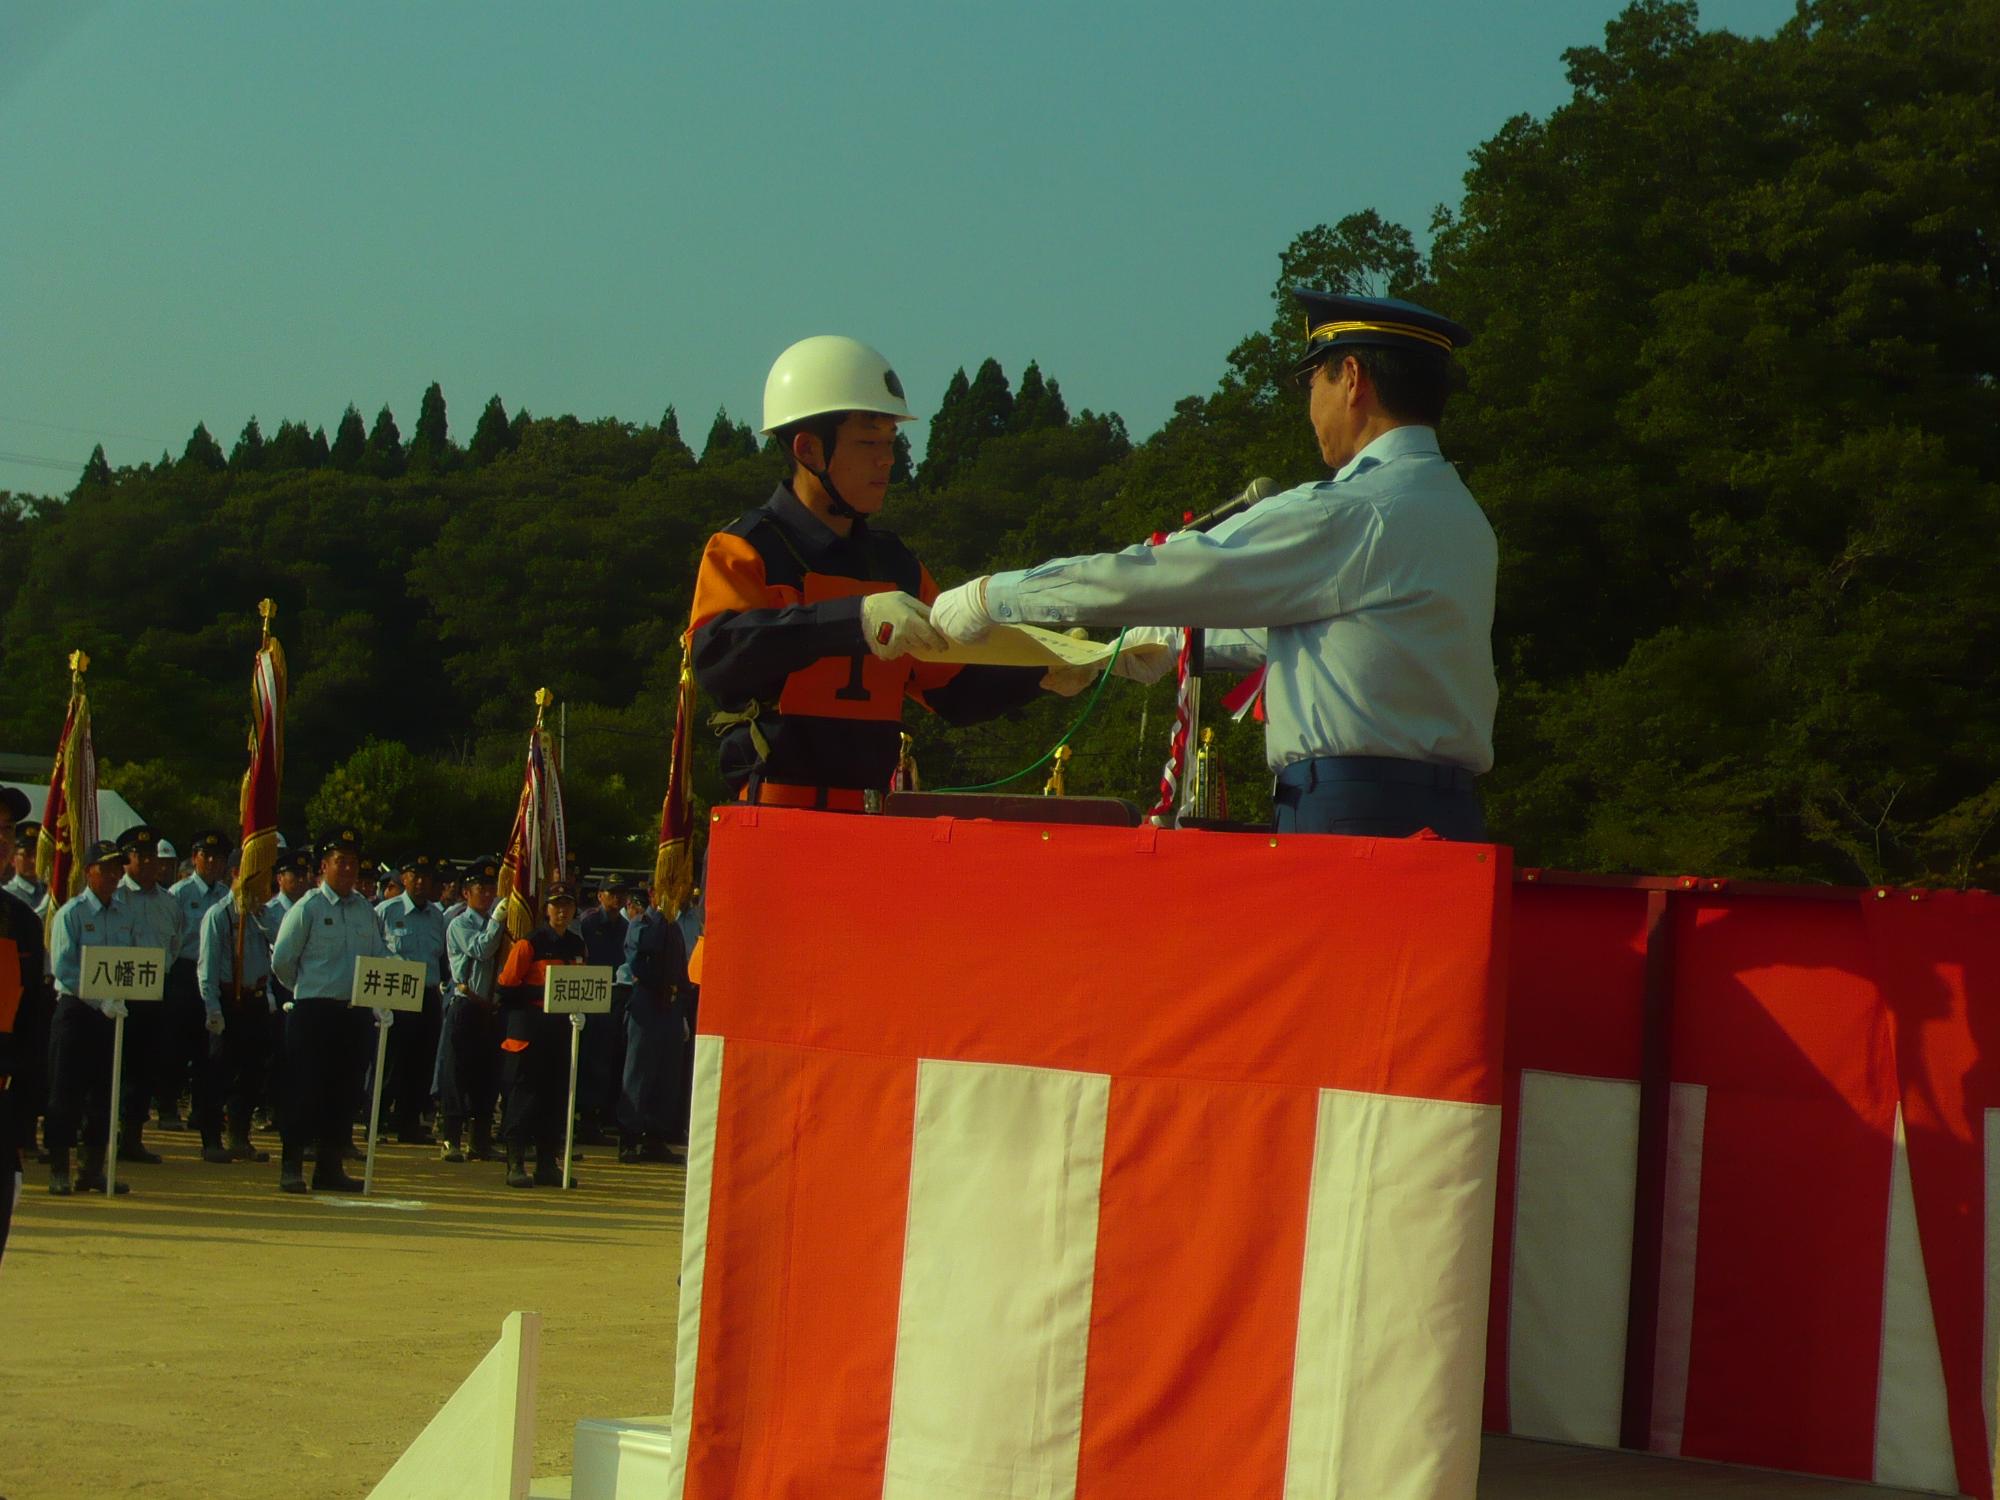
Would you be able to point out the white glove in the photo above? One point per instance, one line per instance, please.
(115, 1010)
(1067, 682)
(896, 624)
(1149, 652)
(213, 1021)
(961, 613)
(384, 1015)
(290, 1007)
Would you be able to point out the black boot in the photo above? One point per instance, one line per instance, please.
(292, 1171)
(59, 1182)
(548, 1169)
(240, 1148)
(482, 1141)
(517, 1168)
(331, 1178)
(91, 1178)
(132, 1148)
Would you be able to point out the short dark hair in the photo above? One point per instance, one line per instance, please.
(825, 427)
(1411, 384)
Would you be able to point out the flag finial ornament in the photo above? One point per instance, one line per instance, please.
(79, 663)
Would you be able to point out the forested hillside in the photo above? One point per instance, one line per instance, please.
(1731, 404)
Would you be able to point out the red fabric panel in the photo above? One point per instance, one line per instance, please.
(1192, 1331)
(1576, 986)
(805, 1252)
(1938, 961)
(1775, 1012)
(1348, 961)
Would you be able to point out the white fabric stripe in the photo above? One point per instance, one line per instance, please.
(1991, 1370)
(1912, 1427)
(1392, 1310)
(694, 1248)
(998, 1263)
(1576, 1171)
(1680, 1239)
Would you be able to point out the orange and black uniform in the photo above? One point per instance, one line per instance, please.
(812, 717)
(535, 1055)
(20, 985)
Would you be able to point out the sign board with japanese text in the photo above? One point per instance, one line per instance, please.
(389, 983)
(577, 990)
(122, 973)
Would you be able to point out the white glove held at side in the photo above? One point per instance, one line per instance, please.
(384, 1015)
(961, 613)
(896, 624)
(213, 1021)
(1148, 653)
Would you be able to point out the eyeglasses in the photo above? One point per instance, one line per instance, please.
(1305, 377)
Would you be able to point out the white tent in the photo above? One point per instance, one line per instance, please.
(114, 813)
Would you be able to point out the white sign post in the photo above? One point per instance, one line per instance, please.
(385, 984)
(576, 991)
(128, 974)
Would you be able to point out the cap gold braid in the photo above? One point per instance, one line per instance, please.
(1404, 330)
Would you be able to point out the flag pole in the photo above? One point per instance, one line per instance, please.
(375, 1100)
(266, 609)
(569, 1115)
(111, 1147)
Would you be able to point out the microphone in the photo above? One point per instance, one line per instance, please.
(1257, 489)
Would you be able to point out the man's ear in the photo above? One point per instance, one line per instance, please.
(807, 452)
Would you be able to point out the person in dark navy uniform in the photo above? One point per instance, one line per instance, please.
(805, 612)
(535, 1054)
(20, 986)
(28, 1083)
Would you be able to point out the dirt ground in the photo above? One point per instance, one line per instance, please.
(208, 1335)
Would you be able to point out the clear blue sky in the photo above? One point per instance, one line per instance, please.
(215, 209)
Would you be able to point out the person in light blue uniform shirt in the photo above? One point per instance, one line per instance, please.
(238, 1007)
(1368, 596)
(191, 1041)
(476, 942)
(326, 1041)
(156, 921)
(413, 925)
(21, 882)
(80, 1036)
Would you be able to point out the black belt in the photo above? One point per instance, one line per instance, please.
(1304, 775)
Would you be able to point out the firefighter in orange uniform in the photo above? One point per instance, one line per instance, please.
(534, 1058)
(805, 612)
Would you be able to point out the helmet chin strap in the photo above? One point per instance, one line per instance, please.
(839, 502)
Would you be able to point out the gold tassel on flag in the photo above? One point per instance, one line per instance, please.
(259, 801)
(673, 867)
(69, 815)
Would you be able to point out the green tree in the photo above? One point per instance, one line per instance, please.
(727, 441)
(1038, 403)
(96, 469)
(248, 454)
(493, 437)
(430, 445)
(350, 442)
(202, 451)
(384, 457)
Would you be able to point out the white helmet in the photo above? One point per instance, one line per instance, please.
(166, 850)
(829, 373)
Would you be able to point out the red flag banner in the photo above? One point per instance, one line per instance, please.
(537, 847)
(973, 1215)
(673, 868)
(261, 780)
(69, 815)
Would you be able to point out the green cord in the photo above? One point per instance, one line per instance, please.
(1068, 734)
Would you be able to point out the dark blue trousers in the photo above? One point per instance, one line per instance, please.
(1372, 796)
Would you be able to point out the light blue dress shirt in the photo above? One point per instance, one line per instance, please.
(196, 896)
(473, 943)
(635, 932)
(29, 892)
(416, 933)
(85, 922)
(319, 940)
(1369, 595)
(217, 962)
(156, 916)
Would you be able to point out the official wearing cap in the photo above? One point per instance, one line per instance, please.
(326, 1041)
(475, 943)
(294, 876)
(535, 1052)
(191, 1040)
(80, 1037)
(17, 873)
(1369, 596)
(806, 611)
(413, 925)
(237, 1006)
(603, 1055)
(156, 923)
